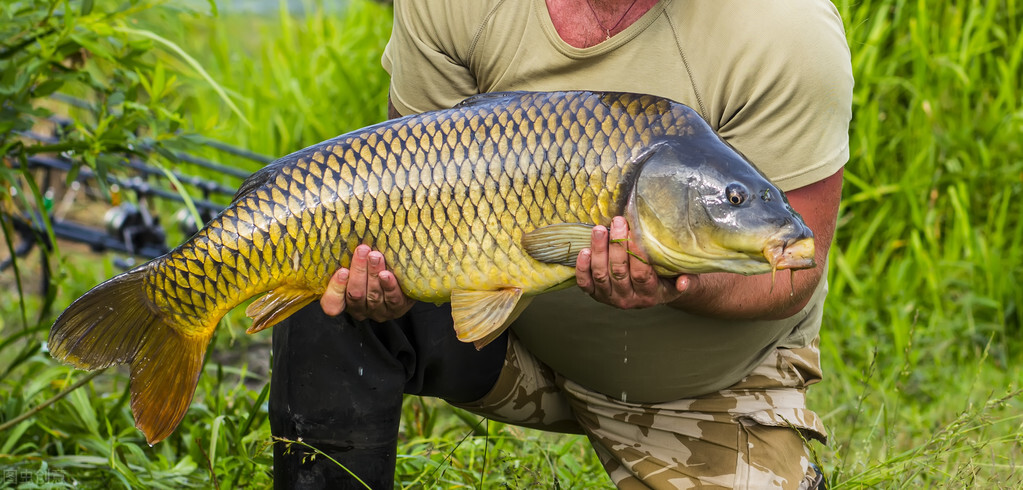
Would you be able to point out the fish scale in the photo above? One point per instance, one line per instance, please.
(482, 205)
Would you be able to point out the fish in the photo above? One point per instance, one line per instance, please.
(484, 205)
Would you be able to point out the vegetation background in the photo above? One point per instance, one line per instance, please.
(923, 332)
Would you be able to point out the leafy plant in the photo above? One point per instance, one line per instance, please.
(81, 81)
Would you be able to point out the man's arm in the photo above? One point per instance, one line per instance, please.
(611, 275)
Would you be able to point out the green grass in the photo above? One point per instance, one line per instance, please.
(923, 332)
(923, 329)
(323, 68)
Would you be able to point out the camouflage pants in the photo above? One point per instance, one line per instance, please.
(753, 434)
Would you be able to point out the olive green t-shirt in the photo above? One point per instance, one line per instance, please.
(773, 78)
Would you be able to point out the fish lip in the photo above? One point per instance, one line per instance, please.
(791, 254)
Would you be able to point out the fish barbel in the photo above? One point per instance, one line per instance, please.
(484, 205)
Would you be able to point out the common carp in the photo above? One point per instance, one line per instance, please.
(484, 205)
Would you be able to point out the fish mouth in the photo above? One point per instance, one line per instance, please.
(791, 254)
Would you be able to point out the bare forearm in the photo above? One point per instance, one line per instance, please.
(733, 296)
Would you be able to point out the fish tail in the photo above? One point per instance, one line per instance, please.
(116, 323)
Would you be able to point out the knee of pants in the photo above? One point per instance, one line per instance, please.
(327, 369)
(330, 375)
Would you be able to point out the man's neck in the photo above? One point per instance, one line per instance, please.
(585, 23)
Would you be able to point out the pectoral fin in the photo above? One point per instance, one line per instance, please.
(277, 305)
(480, 316)
(557, 244)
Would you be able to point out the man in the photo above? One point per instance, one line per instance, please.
(694, 381)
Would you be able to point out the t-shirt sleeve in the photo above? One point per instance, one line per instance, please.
(789, 105)
(425, 56)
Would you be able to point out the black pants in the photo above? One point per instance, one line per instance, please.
(337, 384)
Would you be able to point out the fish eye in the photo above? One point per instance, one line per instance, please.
(736, 194)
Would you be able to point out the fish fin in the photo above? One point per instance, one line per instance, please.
(519, 308)
(489, 97)
(567, 283)
(558, 243)
(270, 172)
(479, 314)
(258, 178)
(276, 305)
(163, 379)
(116, 323)
(105, 326)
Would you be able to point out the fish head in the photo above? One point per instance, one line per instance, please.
(698, 206)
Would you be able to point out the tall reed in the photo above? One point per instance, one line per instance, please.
(922, 336)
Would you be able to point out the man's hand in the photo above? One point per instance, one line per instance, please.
(614, 274)
(366, 289)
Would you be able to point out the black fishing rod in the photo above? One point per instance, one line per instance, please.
(130, 226)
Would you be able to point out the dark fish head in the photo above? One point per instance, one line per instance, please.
(700, 206)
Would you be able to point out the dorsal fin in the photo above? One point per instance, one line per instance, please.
(257, 179)
(270, 171)
(489, 97)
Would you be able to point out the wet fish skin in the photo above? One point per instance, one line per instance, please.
(484, 204)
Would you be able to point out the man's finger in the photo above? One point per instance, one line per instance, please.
(374, 294)
(393, 297)
(583, 276)
(672, 290)
(644, 280)
(599, 274)
(684, 282)
(356, 291)
(333, 299)
(618, 257)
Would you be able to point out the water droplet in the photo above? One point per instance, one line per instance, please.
(360, 370)
(625, 397)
